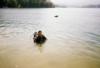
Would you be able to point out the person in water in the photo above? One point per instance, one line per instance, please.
(40, 38)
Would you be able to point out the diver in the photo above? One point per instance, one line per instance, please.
(39, 37)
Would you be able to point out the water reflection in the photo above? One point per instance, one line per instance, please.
(40, 47)
(93, 37)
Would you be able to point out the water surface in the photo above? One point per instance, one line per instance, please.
(73, 38)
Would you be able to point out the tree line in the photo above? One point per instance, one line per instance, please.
(25, 4)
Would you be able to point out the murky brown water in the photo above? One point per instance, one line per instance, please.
(73, 38)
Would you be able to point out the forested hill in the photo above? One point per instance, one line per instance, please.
(25, 4)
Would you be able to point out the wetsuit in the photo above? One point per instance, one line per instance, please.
(40, 39)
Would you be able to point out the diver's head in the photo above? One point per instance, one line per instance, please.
(39, 32)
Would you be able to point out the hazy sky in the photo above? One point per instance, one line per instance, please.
(76, 2)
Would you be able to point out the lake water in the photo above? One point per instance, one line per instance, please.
(73, 38)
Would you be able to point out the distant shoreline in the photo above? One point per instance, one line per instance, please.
(26, 4)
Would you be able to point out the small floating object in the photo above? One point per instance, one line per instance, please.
(56, 16)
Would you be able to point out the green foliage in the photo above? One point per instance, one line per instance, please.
(25, 3)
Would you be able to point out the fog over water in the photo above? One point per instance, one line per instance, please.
(76, 2)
